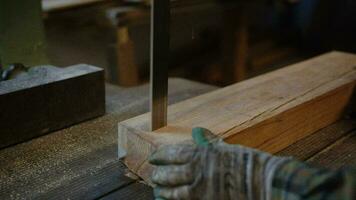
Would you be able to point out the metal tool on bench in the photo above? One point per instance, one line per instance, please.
(160, 20)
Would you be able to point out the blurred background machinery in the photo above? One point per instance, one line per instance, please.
(216, 42)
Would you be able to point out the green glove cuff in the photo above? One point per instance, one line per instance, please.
(199, 136)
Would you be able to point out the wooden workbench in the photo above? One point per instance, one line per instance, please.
(80, 162)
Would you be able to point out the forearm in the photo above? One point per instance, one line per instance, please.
(296, 180)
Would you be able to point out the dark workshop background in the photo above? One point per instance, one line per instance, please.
(216, 42)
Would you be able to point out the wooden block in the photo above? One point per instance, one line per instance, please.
(269, 112)
(48, 99)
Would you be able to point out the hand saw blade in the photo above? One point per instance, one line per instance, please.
(160, 26)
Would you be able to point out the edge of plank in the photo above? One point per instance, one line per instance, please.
(140, 143)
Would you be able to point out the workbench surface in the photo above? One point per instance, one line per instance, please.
(80, 162)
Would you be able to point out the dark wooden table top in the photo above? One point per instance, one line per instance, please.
(80, 162)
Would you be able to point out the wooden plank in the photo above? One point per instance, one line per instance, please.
(313, 144)
(269, 112)
(93, 185)
(137, 191)
(340, 154)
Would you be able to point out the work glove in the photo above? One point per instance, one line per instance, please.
(212, 169)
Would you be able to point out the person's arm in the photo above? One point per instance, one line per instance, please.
(297, 180)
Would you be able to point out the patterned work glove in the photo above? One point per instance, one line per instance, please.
(212, 170)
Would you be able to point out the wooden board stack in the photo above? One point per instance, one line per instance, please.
(269, 112)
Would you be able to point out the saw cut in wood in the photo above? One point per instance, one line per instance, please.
(269, 112)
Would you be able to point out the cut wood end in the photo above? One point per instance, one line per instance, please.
(139, 145)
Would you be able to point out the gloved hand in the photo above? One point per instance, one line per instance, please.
(212, 170)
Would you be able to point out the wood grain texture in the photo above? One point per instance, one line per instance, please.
(340, 154)
(137, 191)
(309, 146)
(269, 112)
(80, 162)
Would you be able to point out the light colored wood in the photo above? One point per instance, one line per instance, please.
(50, 5)
(269, 112)
(127, 69)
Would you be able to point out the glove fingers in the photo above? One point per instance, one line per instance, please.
(168, 193)
(172, 175)
(173, 154)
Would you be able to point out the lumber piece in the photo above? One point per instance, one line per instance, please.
(49, 98)
(269, 112)
(338, 155)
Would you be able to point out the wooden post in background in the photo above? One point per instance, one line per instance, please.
(127, 70)
(234, 44)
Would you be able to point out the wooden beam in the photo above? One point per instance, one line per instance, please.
(127, 69)
(47, 99)
(269, 112)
